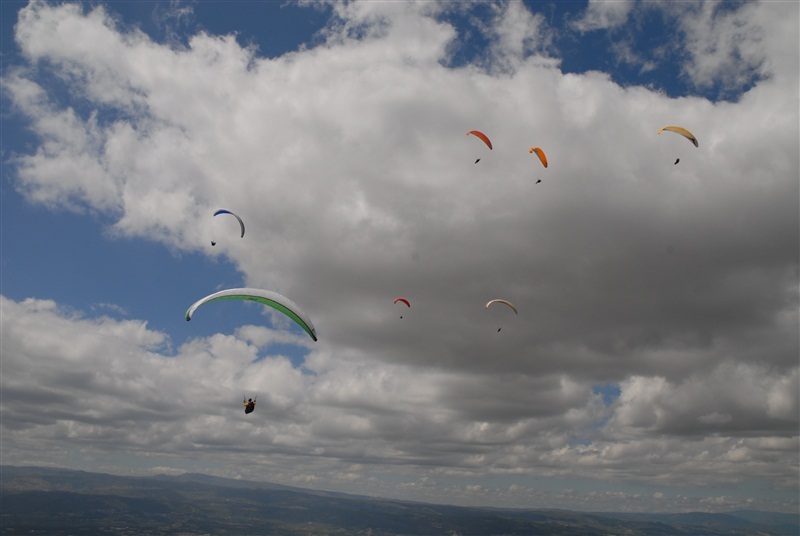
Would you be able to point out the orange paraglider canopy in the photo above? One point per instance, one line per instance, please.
(540, 154)
(482, 136)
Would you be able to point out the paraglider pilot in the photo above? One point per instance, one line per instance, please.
(250, 405)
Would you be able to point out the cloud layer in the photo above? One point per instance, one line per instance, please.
(675, 284)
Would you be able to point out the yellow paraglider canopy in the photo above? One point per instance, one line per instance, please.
(683, 132)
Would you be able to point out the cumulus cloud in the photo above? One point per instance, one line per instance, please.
(349, 162)
(737, 398)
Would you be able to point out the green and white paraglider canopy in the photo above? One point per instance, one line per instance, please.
(271, 299)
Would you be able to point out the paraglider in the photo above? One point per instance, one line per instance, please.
(504, 302)
(249, 405)
(542, 157)
(683, 132)
(483, 137)
(271, 299)
(402, 300)
(225, 211)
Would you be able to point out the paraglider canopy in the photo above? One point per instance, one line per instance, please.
(504, 302)
(481, 136)
(540, 154)
(683, 132)
(225, 211)
(272, 299)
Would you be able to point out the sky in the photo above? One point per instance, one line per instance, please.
(653, 363)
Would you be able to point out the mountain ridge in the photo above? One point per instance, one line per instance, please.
(64, 501)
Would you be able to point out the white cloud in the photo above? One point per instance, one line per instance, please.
(736, 398)
(729, 45)
(724, 47)
(349, 163)
(601, 14)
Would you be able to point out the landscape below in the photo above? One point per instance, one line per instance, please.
(35, 500)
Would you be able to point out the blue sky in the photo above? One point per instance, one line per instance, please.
(653, 363)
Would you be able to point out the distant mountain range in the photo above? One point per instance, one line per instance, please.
(37, 500)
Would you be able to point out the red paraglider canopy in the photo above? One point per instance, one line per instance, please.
(482, 136)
